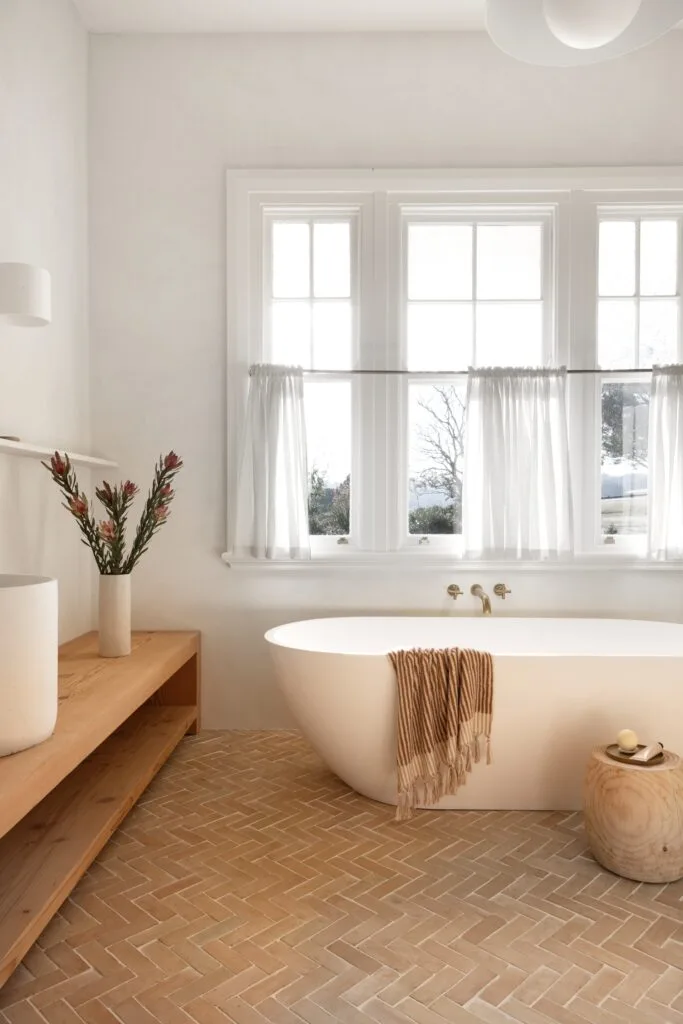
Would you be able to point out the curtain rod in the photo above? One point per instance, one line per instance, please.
(453, 373)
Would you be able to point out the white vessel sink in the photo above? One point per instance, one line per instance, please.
(28, 661)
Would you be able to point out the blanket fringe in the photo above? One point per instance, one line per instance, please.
(405, 806)
(446, 782)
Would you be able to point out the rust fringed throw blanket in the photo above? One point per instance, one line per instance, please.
(445, 704)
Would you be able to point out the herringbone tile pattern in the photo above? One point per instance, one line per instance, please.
(250, 885)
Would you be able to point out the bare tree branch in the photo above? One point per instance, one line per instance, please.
(443, 441)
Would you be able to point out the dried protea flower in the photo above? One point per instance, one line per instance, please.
(107, 530)
(79, 505)
(107, 538)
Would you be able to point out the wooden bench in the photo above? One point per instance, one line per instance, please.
(119, 720)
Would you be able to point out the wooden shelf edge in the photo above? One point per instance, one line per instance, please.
(50, 849)
(36, 451)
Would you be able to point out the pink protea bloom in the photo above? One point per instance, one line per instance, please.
(129, 489)
(79, 506)
(107, 530)
(58, 464)
(166, 491)
(161, 513)
(172, 461)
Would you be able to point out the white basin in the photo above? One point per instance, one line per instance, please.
(28, 661)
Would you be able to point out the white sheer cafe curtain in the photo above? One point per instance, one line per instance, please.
(272, 500)
(665, 474)
(517, 500)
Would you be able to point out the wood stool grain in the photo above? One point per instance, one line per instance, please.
(633, 817)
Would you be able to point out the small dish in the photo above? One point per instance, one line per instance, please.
(617, 754)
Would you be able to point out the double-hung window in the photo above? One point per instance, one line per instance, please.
(476, 289)
(386, 289)
(311, 307)
(638, 326)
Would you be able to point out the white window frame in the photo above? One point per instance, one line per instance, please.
(309, 215)
(334, 212)
(591, 208)
(500, 210)
(574, 198)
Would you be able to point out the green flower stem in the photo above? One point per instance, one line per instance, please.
(149, 520)
(68, 484)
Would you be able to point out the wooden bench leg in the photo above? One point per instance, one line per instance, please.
(183, 690)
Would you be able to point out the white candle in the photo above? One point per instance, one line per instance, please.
(627, 740)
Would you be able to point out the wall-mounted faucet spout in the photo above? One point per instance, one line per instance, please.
(478, 591)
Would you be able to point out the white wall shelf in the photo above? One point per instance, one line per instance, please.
(34, 451)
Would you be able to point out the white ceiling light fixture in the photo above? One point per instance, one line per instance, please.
(585, 24)
(565, 33)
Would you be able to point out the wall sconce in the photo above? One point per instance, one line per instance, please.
(25, 295)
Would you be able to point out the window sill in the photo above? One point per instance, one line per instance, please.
(406, 561)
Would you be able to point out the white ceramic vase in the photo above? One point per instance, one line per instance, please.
(114, 616)
(28, 661)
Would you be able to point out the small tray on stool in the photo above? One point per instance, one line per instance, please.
(616, 754)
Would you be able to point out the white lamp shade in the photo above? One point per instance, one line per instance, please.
(585, 24)
(521, 28)
(25, 295)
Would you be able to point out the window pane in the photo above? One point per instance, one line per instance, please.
(439, 336)
(439, 261)
(659, 257)
(617, 258)
(332, 261)
(332, 335)
(509, 261)
(616, 333)
(623, 505)
(328, 436)
(658, 331)
(437, 429)
(509, 334)
(291, 333)
(291, 261)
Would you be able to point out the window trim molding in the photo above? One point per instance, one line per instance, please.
(405, 561)
(576, 193)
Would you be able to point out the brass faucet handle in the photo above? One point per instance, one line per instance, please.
(500, 590)
(454, 591)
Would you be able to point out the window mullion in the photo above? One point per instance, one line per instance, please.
(637, 298)
(474, 294)
(261, 295)
(679, 288)
(311, 296)
(390, 258)
(584, 389)
(370, 422)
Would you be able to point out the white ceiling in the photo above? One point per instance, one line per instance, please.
(281, 15)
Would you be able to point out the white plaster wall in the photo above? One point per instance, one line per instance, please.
(44, 373)
(168, 116)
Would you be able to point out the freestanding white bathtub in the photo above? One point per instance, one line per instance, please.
(561, 687)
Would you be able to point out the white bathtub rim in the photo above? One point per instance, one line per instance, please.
(652, 632)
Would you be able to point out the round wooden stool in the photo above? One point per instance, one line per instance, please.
(634, 816)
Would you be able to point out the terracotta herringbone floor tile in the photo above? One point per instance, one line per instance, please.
(251, 886)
